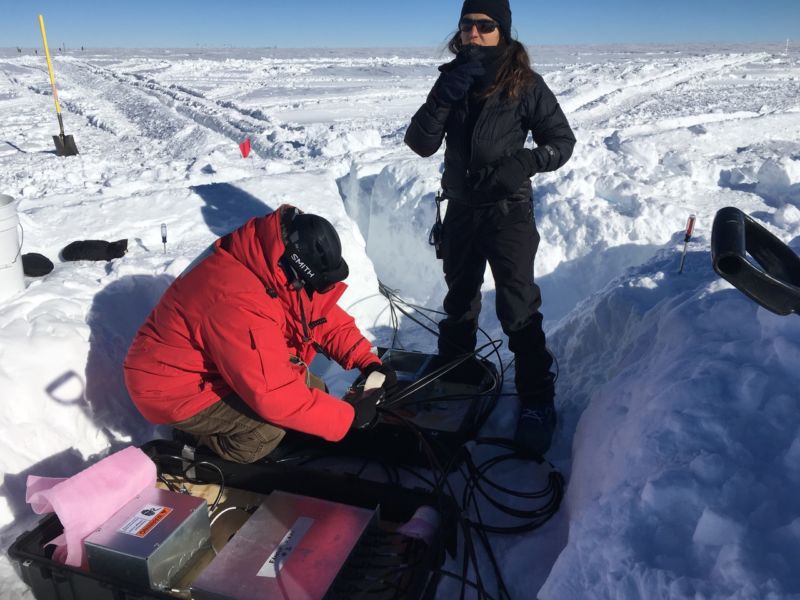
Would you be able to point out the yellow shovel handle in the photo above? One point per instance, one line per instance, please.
(49, 65)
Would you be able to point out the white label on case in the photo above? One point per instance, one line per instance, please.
(145, 520)
(282, 551)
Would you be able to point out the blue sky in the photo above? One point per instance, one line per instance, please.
(376, 23)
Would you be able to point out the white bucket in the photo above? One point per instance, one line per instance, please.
(12, 279)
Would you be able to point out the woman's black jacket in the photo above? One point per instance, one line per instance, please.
(501, 128)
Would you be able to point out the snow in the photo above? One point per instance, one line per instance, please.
(679, 428)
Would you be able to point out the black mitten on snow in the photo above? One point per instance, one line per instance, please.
(505, 176)
(365, 403)
(36, 265)
(94, 250)
(391, 375)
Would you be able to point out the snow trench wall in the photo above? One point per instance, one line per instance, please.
(394, 209)
(682, 398)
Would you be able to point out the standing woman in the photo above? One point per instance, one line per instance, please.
(484, 103)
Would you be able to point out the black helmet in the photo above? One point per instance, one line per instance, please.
(314, 251)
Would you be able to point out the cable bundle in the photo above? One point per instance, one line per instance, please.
(474, 531)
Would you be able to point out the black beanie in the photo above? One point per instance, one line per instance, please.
(499, 10)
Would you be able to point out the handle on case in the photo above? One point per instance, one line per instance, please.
(776, 285)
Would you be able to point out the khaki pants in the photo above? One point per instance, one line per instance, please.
(235, 431)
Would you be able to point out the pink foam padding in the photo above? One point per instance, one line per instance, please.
(85, 501)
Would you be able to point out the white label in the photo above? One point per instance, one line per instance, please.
(282, 551)
(145, 520)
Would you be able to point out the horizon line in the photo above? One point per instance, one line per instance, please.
(424, 47)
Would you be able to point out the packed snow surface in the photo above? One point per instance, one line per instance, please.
(679, 427)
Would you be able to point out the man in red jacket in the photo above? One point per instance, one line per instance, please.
(224, 354)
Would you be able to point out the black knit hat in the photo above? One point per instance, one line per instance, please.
(499, 10)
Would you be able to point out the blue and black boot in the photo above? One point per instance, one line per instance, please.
(537, 419)
(536, 388)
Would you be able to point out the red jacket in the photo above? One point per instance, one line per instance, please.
(230, 323)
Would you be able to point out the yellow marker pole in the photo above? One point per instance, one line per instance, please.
(50, 71)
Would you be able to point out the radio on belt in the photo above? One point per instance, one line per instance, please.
(151, 539)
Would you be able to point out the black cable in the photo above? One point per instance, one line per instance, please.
(190, 464)
(396, 301)
(485, 466)
(487, 547)
(473, 480)
(221, 481)
(465, 581)
(442, 475)
(170, 485)
(381, 578)
(554, 491)
(548, 511)
(417, 475)
(439, 372)
(501, 585)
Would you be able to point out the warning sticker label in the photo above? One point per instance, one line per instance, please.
(145, 520)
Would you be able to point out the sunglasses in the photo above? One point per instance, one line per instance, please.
(484, 26)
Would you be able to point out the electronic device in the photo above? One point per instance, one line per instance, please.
(448, 411)
(151, 540)
(292, 547)
(433, 407)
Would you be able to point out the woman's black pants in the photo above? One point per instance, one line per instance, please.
(507, 240)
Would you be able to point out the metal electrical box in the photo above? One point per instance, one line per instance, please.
(292, 547)
(151, 539)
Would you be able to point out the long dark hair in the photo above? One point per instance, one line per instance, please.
(515, 72)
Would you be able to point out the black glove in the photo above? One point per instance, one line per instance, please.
(391, 375)
(94, 250)
(453, 85)
(504, 177)
(365, 404)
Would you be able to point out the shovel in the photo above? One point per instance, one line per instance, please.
(65, 144)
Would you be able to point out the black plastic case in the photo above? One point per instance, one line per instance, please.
(50, 580)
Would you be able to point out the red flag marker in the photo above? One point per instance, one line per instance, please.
(245, 148)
